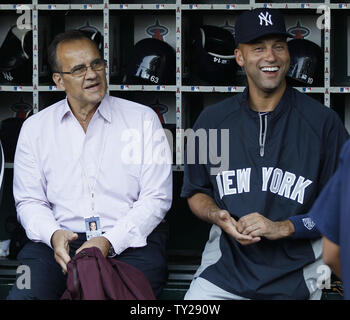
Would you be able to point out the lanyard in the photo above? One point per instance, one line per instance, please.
(86, 178)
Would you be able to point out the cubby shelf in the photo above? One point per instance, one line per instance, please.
(180, 13)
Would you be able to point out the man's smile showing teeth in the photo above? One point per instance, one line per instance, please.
(269, 69)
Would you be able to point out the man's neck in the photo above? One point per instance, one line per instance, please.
(265, 101)
(84, 114)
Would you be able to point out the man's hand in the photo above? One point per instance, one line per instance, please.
(100, 242)
(60, 242)
(204, 207)
(223, 219)
(256, 225)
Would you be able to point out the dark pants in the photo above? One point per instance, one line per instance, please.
(48, 282)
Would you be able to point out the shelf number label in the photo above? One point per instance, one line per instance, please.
(154, 79)
(221, 61)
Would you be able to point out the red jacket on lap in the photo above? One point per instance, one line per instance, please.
(94, 277)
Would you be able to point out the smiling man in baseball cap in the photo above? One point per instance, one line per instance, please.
(262, 51)
(283, 148)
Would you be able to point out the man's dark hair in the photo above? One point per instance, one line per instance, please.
(69, 35)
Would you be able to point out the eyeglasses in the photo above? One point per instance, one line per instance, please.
(80, 70)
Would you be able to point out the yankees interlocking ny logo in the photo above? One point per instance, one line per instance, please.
(7, 76)
(266, 18)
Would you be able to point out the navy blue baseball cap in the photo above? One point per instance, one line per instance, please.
(254, 24)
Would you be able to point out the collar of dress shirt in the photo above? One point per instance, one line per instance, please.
(104, 109)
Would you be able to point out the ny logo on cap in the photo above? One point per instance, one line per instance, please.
(266, 18)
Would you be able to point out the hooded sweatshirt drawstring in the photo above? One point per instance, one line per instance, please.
(263, 131)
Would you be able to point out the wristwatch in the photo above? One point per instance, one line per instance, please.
(111, 252)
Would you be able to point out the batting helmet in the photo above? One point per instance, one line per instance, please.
(93, 33)
(16, 57)
(305, 62)
(11, 127)
(212, 57)
(153, 62)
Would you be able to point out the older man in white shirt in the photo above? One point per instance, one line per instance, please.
(90, 156)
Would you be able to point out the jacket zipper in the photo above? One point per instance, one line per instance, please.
(263, 131)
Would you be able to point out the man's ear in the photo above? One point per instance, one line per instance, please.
(57, 79)
(239, 57)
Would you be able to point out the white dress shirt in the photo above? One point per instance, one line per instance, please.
(124, 156)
